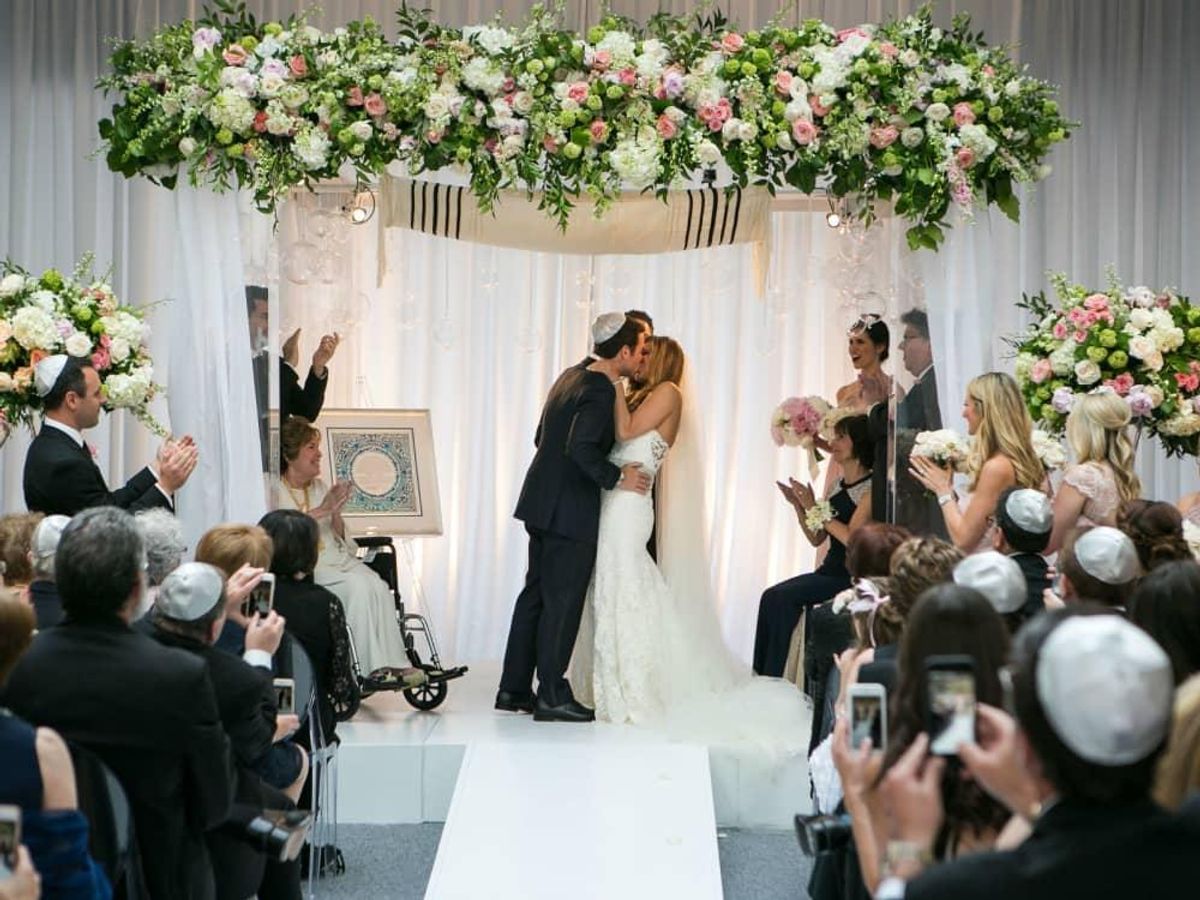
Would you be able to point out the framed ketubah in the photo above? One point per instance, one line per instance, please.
(387, 455)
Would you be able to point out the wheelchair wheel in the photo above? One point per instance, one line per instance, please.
(426, 696)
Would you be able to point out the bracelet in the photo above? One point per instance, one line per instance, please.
(943, 499)
(906, 854)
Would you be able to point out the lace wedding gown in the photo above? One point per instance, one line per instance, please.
(648, 655)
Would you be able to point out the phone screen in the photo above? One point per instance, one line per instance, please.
(866, 721)
(285, 695)
(10, 839)
(261, 598)
(951, 710)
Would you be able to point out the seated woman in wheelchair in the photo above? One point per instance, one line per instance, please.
(368, 601)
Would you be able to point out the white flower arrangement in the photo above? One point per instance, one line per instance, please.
(947, 448)
(817, 516)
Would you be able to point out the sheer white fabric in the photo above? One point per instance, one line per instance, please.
(1095, 480)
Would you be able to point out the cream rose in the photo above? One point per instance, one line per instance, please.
(1087, 372)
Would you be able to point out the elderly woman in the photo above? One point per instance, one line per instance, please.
(370, 607)
(162, 536)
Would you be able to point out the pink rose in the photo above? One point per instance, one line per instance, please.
(299, 65)
(601, 60)
(435, 136)
(1040, 371)
(1189, 383)
(578, 91)
(815, 105)
(354, 97)
(963, 114)
(783, 83)
(989, 71)
(599, 131)
(374, 105)
(715, 124)
(846, 33)
(732, 42)
(509, 85)
(260, 121)
(666, 127)
(549, 145)
(1097, 302)
(1080, 336)
(628, 77)
(888, 49)
(804, 132)
(234, 55)
(883, 137)
(1121, 384)
(101, 360)
(965, 157)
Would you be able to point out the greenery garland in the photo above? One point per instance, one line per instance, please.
(906, 112)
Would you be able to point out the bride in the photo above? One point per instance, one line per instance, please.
(650, 649)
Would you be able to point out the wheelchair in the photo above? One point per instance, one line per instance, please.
(378, 552)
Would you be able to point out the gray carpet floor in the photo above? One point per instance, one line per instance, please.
(393, 862)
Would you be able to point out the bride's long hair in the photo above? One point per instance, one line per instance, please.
(666, 364)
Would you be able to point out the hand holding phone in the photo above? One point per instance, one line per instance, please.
(10, 839)
(950, 697)
(285, 695)
(262, 597)
(867, 714)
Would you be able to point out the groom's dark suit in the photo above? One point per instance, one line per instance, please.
(560, 506)
(911, 506)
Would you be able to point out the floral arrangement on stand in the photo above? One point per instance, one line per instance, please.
(1142, 344)
(78, 315)
(906, 112)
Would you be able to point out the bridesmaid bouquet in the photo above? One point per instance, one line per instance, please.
(947, 448)
(797, 422)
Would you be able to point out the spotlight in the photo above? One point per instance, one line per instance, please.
(832, 219)
(361, 207)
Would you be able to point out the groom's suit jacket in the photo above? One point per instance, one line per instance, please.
(62, 478)
(561, 493)
(917, 411)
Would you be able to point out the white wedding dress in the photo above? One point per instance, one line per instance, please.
(649, 654)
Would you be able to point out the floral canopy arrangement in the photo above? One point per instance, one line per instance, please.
(906, 112)
(78, 315)
(1142, 344)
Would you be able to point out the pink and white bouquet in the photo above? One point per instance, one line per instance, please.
(78, 315)
(948, 449)
(797, 421)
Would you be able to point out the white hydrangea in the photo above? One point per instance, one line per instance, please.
(650, 61)
(1021, 366)
(294, 96)
(240, 80)
(483, 75)
(118, 349)
(854, 45)
(493, 40)
(910, 58)
(79, 344)
(1183, 424)
(362, 130)
(125, 326)
(912, 137)
(311, 147)
(44, 300)
(621, 46)
(708, 153)
(34, 329)
(976, 137)
(278, 120)
(271, 85)
(937, 112)
(636, 162)
(1013, 88)
(1062, 360)
(955, 73)
(129, 390)
(1048, 449)
(231, 110)
(11, 284)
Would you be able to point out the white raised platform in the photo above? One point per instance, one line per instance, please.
(400, 765)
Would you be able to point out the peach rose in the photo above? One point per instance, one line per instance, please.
(804, 132)
(815, 105)
(963, 114)
(354, 97)
(578, 91)
(599, 130)
(601, 60)
(965, 157)
(374, 105)
(299, 65)
(783, 83)
(883, 137)
(234, 55)
(732, 42)
(665, 127)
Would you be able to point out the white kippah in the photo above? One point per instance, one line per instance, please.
(190, 591)
(1108, 555)
(997, 577)
(47, 535)
(46, 372)
(606, 325)
(1106, 688)
(1030, 511)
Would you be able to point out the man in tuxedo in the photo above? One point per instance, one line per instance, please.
(61, 478)
(560, 506)
(147, 711)
(912, 506)
(1093, 698)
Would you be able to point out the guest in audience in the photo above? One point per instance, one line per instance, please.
(43, 592)
(1002, 456)
(60, 474)
(368, 601)
(314, 615)
(148, 712)
(1024, 522)
(1000, 580)
(782, 605)
(1166, 605)
(1156, 530)
(16, 542)
(1098, 565)
(162, 538)
(188, 614)
(1179, 769)
(1093, 706)
(948, 619)
(232, 548)
(36, 775)
(1102, 477)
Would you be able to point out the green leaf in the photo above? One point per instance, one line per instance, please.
(1010, 206)
(926, 176)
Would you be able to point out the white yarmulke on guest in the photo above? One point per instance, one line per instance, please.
(47, 535)
(606, 325)
(995, 576)
(1108, 555)
(190, 591)
(1030, 511)
(1106, 688)
(46, 372)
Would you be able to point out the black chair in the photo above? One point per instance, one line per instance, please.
(112, 839)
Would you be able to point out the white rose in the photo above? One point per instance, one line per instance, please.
(708, 153)
(935, 34)
(1141, 319)
(1087, 372)
(912, 137)
(361, 130)
(6, 383)
(187, 146)
(1141, 347)
(1013, 88)
(437, 106)
(1153, 362)
(730, 129)
(118, 349)
(1156, 396)
(798, 88)
(937, 112)
(784, 141)
(79, 344)
(11, 284)
(910, 58)
(294, 96)
(269, 85)
(523, 102)
(747, 131)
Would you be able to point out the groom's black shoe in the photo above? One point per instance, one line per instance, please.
(571, 711)
(512, 701)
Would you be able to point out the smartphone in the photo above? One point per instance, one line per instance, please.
(285, 695)
(10, 839)
(868, 715)
(950, 693)
(262, 597)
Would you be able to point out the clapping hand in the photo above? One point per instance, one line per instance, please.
(804, 494)
(324, 352)
(291, 349)
(176, 462)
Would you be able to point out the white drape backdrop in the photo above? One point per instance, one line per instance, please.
(477, 334)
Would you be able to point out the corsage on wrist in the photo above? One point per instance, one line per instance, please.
(817, 515)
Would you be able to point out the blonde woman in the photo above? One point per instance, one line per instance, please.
(1102, 477)
(1179, 767)
(1002, 457)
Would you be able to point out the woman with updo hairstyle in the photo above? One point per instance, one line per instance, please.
(1156, 530)
(1001, 457)
(1102, 477)
(868, 340)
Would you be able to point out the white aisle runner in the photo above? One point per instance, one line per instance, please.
(579, 820)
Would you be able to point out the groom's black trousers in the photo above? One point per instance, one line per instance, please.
(546, 618)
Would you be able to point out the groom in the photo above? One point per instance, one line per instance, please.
(560, 506)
